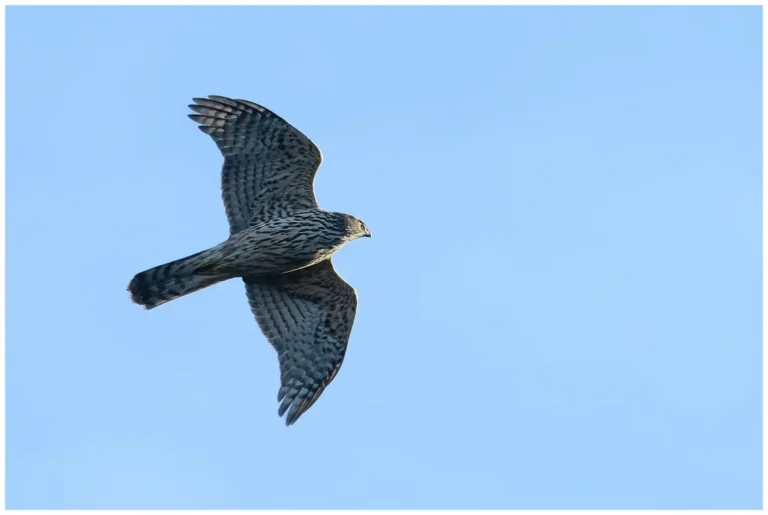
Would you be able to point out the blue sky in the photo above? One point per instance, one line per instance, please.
(560, 306)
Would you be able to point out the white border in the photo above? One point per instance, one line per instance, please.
(388, 2)
(348, 2)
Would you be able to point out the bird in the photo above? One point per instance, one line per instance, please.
(280, 244)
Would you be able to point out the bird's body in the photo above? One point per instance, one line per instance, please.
(280, 244)
(284, 244)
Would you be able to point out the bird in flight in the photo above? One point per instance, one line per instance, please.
(280, 244)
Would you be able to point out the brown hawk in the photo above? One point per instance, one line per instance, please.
(280, 244)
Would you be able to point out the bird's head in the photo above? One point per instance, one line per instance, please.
(356, 228)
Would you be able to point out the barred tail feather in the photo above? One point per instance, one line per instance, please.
(164, 283)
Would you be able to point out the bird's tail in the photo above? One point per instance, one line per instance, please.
(172, 280)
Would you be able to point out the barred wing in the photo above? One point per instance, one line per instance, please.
(307, 316)
(269, 165)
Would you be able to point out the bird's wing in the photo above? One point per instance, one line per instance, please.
(269, 165)
(307, 316)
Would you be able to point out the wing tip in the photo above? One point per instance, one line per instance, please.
(294, 402)
(207, 129)
(292, 416)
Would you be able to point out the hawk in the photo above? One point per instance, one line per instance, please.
(280, 244)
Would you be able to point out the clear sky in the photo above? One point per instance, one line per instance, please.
(560, 306)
